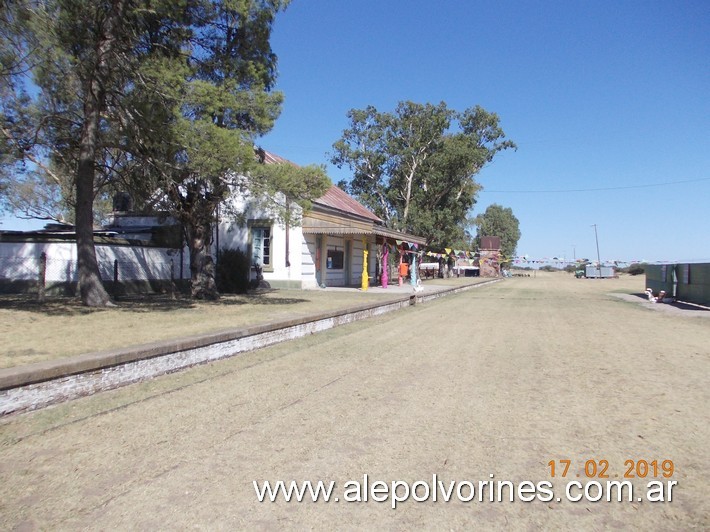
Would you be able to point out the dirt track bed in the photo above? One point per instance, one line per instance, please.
(498, 380)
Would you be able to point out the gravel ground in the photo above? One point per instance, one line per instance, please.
(499, 381)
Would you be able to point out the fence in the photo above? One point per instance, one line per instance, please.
(685, 282)
(123, 271)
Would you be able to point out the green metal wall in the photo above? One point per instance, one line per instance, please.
(657, 278)
(690, 281)
(694, 283)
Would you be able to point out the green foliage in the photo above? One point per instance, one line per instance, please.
(415, 167)
(15, 133)
(634, 269)
(70, 66)
(162, 98)
(278, 186)
(233, 270)
(499, 221)
(199, 149)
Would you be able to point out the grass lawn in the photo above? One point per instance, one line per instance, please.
(493, 383)
(62, 327)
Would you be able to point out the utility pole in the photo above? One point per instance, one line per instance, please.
(599, 260)
(574, 252)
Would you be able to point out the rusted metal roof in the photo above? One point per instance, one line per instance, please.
(335, 229)
(271, 158)
(336, 198)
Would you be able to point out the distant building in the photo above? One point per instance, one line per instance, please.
(596, 272)
(489, 256)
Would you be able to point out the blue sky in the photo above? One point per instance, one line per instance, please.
(597, 95)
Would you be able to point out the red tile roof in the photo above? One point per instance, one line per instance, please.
(334, 197)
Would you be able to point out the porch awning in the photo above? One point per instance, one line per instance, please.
(321, 227)
(341, 227)
(397, 235)
(324, 223)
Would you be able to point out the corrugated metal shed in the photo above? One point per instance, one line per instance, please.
(595, 272)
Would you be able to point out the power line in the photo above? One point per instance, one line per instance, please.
(598, 189)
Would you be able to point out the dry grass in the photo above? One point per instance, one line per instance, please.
(498, 380)
(61, 327)
(34, 332)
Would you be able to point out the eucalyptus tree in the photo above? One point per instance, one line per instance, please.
(416, 167)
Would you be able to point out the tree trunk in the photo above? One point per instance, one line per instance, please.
(408, 194)
(93, 293)
(202, 266)
(91, 289)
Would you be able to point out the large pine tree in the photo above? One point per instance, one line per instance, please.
(158, 97)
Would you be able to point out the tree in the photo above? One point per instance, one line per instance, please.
(211, 108)
(415, 167)
(14, 51)
(65, 81)
(159, 97)
(499, 221)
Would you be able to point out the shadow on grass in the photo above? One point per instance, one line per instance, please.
(259, 299)
(71, 306)
(682, 305)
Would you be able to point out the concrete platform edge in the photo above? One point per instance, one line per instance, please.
(35, 386)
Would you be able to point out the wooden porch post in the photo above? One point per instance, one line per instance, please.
(401, 260)
(365, 278)
(323, 260)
